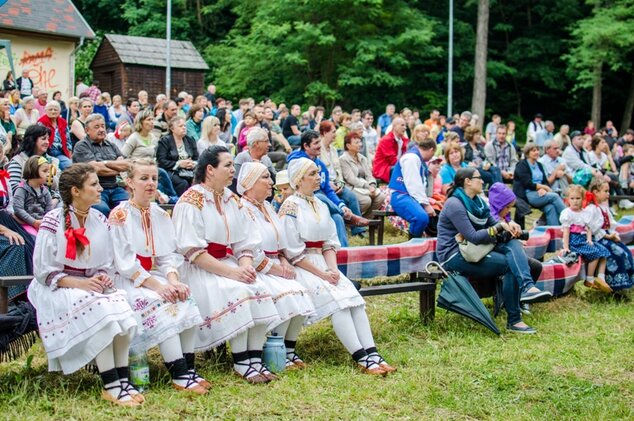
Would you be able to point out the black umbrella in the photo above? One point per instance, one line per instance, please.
(458, 295)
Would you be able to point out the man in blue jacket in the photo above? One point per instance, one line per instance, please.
(408, 184)
(310, 147)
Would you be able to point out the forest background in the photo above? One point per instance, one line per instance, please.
(547, 56)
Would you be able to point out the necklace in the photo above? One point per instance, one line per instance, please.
(312, 202)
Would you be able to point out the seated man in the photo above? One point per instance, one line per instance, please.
(502, 154)
(408, 185)
(310, 147)
(107, 160)
(558, 173)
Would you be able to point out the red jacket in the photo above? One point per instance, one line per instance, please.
(61, 127)
(386, 156)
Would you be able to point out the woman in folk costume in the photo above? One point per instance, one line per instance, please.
(81, 317)
(291, 299)
(143, 238)
(311, 246)
(212, 233)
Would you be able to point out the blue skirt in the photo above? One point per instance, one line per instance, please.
(619, 271)
(15, 260)
(579, 244)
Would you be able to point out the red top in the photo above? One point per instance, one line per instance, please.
(386, 156)
(61, 127)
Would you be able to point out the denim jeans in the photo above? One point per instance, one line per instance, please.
(337, 216)
(64, 161)
(165, 185)
(490, 176)
(504, 256)
(111, 198)
(294, 140)
(350, 199)
(550, 203)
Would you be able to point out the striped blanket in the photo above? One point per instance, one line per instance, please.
(412, 256)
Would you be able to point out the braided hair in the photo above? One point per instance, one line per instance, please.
(73, 176)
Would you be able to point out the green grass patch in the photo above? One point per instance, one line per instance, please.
(580, 365)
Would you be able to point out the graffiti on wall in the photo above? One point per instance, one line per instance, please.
(46, 62)
(36, 63)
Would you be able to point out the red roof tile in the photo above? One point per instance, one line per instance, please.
(60, 17)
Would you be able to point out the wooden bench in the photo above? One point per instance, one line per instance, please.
(422, 282)
(380, 216)
(10, 281)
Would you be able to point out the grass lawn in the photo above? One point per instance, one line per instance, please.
(580, 365)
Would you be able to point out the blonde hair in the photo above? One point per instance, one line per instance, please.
(207, 125)
(575, 188)
(139, 162)
(419, 129)
(596, 184)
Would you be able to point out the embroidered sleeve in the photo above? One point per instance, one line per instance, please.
(288, 208)
(193, 197)
(193, 253)
(53, 278)
(189, 227)
(118, 216)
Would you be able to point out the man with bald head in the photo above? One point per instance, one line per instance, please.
(390, 148)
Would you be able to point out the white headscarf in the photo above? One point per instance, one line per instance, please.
(250, 172)
(297, 169)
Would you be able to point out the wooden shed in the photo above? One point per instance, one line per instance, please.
(125, 65)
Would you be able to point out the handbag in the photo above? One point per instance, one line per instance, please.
(471, 252)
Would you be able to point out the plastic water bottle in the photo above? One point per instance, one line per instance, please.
(139, 369)
(274, 355)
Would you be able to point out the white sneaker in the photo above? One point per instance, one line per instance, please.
(626, 204)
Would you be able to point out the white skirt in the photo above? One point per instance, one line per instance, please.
(157, 318)
(76, 325)
(227, 307)
(327, 298)
(291, 299)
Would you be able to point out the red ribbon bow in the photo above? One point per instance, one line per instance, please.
(72, 236)
(4, 174)
(590, 198)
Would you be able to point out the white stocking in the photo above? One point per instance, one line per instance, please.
(344, 328)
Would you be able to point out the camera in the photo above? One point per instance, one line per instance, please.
(505, 236)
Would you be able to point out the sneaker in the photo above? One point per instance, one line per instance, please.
(525, 308)
(535, 294)
(625, 204)
(525, 330)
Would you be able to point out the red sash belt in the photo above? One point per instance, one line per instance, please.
(146, 262)
(219, 251)
(314, 244)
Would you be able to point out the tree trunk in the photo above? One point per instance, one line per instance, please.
(478, 100)
(629, 109)
(596, 96)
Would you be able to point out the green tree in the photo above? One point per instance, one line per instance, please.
(604, 41)
(360, 52)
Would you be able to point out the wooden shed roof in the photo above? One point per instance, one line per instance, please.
(54, 17)
(152, 52)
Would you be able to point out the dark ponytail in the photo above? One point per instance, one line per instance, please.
(210, 156)
(458, 181)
